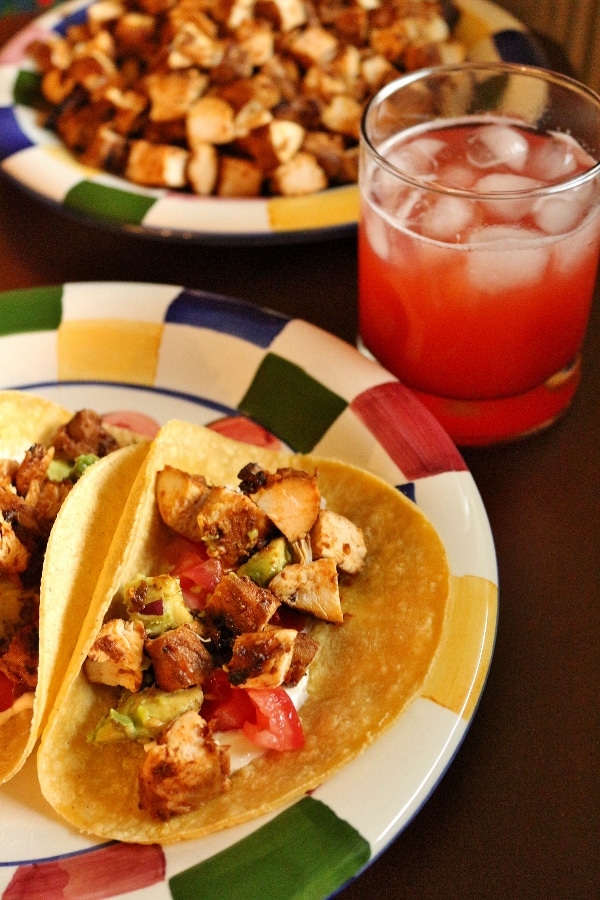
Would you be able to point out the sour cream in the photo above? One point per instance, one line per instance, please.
(242, 750)
(25, 701)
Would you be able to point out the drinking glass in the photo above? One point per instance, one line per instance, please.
(479, 237)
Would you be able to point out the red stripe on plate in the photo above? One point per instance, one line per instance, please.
(407, 431)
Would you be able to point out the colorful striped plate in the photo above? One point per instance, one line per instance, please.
(168, 352)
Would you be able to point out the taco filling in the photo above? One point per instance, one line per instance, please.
(255, 627)
(44, 452)
(31, 493)
(209, 650)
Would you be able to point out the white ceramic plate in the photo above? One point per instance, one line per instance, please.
(35, 159)
(169, 352)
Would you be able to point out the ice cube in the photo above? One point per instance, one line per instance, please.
(569, 252)
(496, 145)
(446, 218)
(377, 231)
(459, 177)
(417, 159)
(507, 210)
(554, 159)
(506, 258)
(557, 214)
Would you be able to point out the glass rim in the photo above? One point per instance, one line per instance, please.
(537, 72)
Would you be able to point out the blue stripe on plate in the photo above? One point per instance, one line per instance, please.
(13, 138)
(518, 47)
(229, 316)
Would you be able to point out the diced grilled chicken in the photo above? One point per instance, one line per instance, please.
(232, 526)
(157, 165)
(305, 650)
(182, 769)
(285, 14)
(299, 176)
(312, 588)
(179, 658)
(84, 434)
(238, 178)
(273, 143)
(33, 467)
(261, 659)
(203, 169)
(237, 605)
(291, 499)
(180, 497)
(20, 662)
(117, 655)
(210, 120)
(333, 536)
(14, 556)
(172, 93)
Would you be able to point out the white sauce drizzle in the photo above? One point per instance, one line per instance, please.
(25, 701)
(242, 750)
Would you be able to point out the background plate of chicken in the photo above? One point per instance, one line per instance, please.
(278, 395)
(224, 121)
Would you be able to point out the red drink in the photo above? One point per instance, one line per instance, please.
(480, 303)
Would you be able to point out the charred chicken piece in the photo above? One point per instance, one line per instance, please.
(237, 605)
(261, 659)
(117, 655)
(180, 658)
(312, 588)
(182, 769)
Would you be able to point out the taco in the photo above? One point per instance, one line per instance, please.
(369, 663)
(53, 505)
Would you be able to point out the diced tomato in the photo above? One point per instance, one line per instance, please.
(138, 422)
(198, 574)
(226, 707)
(267, 717)
(8, 692)
(278, 726)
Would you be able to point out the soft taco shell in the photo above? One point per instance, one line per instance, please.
(365, 674)
(88, 517)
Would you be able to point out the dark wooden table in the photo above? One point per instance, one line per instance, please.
(518, 813)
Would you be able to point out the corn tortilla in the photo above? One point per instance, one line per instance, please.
(365, 674)
(88, 517)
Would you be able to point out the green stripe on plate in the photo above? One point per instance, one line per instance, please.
(108, 203)
(305, 853)
(31, 309)
(290, 403)
(27, 91)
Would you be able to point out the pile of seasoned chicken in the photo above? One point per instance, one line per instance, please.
(275, 554)
(31, 494)
(235, 98)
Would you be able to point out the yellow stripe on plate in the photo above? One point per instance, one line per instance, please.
(456, 678)
(338, 206)
(109, 350)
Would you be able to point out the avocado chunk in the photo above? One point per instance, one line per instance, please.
(266, 563)
(157, 602)
(142, 716)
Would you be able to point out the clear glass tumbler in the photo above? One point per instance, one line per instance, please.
(478, 241)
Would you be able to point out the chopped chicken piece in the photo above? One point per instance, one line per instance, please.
(182, 769)
(179, 658)
(83, 434)
(210, 119)
(232, 526)
(117, 655)
(203, 169)
(299, 176)
(333, 536)
(291, 499)
(179, 497)
(343, 114)
(312, 588)
(158, 165)
(257, 39)
(20, 662)
(261, 659)
(33, 467)
(273, 143)
(14, 557)
(172, 93)
(285, 14)
(313, 46)
(305, 650)
(238, 178)
(328, 149)
(236, 606)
